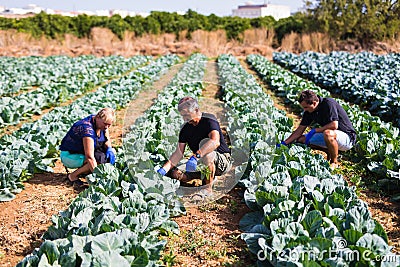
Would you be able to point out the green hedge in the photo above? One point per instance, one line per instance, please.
(156, 23)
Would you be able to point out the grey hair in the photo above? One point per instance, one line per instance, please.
(188, 103)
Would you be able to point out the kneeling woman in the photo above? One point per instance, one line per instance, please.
(87, 144)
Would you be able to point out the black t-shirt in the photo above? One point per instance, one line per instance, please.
(329, 110)
(193, 135)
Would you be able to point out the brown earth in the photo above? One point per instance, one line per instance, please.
(24, 219)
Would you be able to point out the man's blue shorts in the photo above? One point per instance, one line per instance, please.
(72, 161)
(343, 140)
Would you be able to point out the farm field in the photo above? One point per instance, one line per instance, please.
(288, 197)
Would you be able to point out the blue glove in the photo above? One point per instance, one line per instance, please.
(309, 135)
(191, 164)
(281, 143)
(110, 155)
(162, 171)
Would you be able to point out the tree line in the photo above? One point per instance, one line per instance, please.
(340, 19)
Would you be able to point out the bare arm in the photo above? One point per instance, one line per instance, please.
(333, 125)
(296, 134)
(211, 144)
(88, 145)
(175, 157)
(107, 134)
(300, 130)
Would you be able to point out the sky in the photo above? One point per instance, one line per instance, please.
(206, 7)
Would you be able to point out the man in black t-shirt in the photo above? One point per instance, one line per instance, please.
(335, 132)
(202, 133)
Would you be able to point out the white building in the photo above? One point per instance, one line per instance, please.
(85, 12)
(29, 9)
(123, 13)
(251, 10)
(103, 13)
(32, 8)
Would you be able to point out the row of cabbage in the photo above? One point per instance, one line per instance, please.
(116, 221)
(364, 78)
(32, 71)
(19, 74)
(78, 77)
(378, 142)
(303, 215)
(34, 147)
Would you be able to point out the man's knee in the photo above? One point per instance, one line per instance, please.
(209, 159)
(329, 135)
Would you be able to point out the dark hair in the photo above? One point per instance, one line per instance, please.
(308, 96)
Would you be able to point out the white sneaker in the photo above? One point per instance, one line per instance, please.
(334, 166)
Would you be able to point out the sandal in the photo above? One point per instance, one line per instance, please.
(76, 182)
(334, 166)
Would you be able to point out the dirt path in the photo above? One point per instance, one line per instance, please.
(210, 234)
(127, 117)
(386, 212)
(24, 219)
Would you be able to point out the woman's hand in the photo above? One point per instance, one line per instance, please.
(110, 155)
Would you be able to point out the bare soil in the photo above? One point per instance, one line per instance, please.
(210, 235)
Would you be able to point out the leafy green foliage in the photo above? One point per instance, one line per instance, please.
(34, 147)
(154, 136)
(61, 79)
(235, 26)
(363, 78)
(300, 206)
(364, 20)
(111, 223)
(377, 145)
